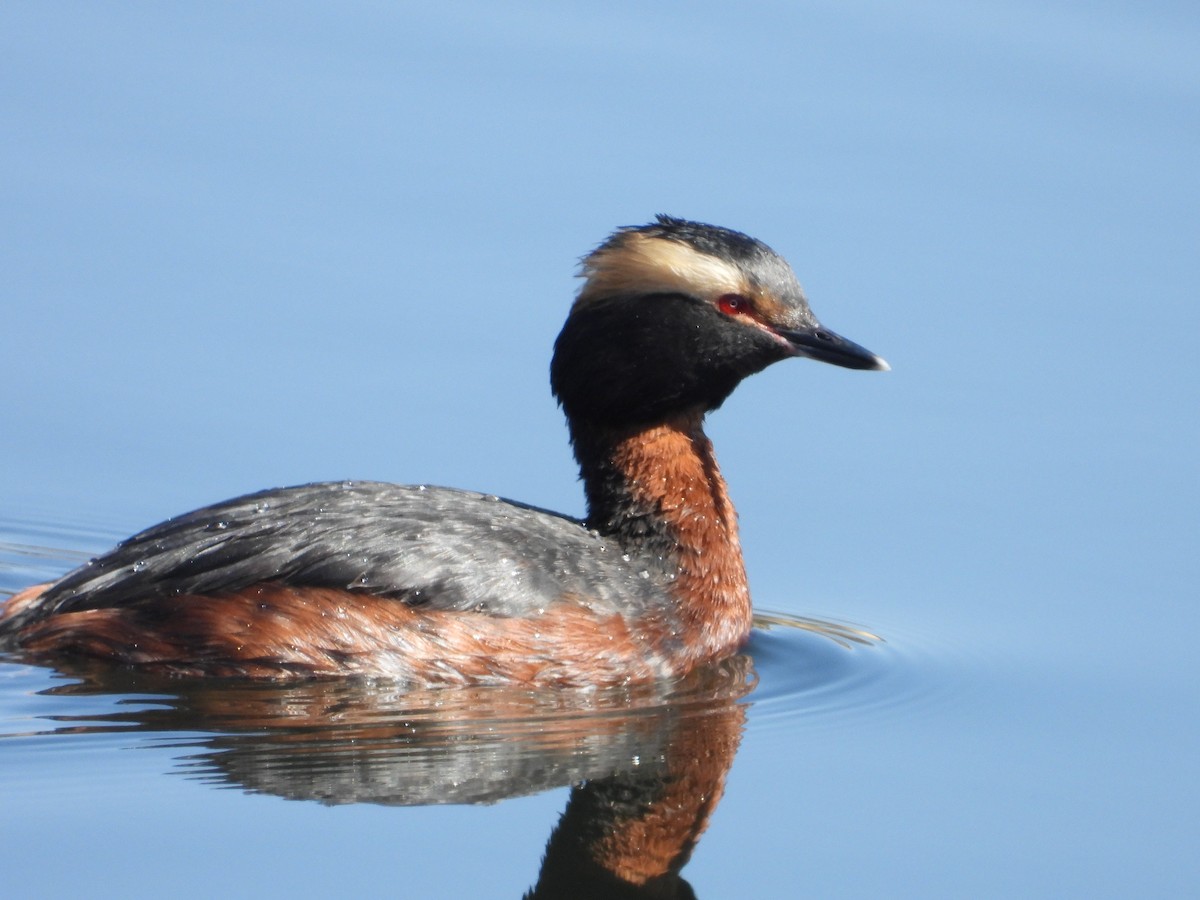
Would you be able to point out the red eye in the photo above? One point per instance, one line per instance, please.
(733, 304)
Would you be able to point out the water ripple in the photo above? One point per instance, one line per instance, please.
(822, 672)
(811, 672)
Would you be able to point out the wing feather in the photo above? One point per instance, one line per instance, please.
(435, 547)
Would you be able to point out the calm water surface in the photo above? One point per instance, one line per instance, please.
(255, 244)
(126, 779)
(831, 759)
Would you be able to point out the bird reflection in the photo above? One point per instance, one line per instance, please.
(647, 763)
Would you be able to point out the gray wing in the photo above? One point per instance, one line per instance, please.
(433, 547)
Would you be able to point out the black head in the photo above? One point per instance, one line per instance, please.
(673, 315)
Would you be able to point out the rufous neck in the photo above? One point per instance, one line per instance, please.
(658, 490)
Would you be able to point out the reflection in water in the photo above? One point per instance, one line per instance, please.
(648, 763)
(630, 833)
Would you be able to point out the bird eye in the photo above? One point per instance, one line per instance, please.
(733, 304)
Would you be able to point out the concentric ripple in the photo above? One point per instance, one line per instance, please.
(824, 672)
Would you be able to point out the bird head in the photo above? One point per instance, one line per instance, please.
(673, 315)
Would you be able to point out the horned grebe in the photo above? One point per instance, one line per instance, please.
(438, 586)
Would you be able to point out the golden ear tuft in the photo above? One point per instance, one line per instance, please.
(635, 263)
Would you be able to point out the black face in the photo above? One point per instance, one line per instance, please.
(627, 361)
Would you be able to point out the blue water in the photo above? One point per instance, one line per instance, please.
(256, 245)
(91, 752)
(861, 755)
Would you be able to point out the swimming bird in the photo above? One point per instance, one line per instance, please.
(436, 586)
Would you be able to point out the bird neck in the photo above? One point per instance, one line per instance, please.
(658, 490)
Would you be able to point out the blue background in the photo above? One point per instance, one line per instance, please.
(256, 245)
